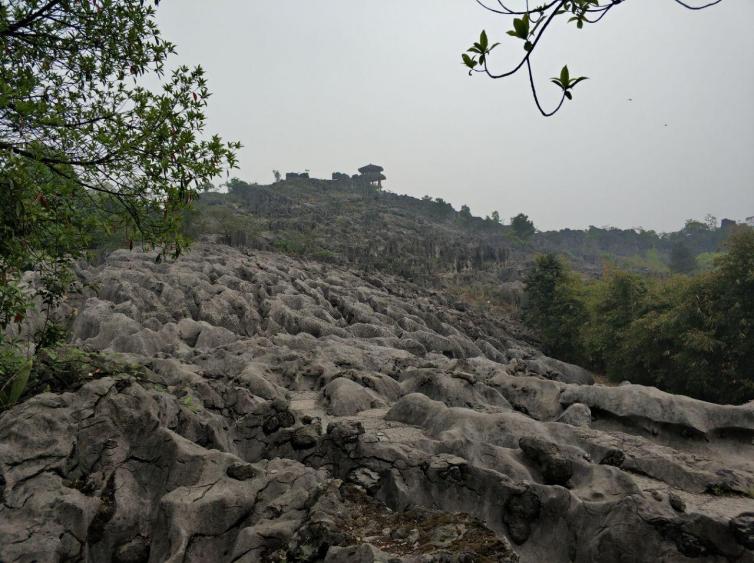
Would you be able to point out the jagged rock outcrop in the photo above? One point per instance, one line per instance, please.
(291, 411)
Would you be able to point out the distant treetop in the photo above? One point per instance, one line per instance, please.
(523, 227)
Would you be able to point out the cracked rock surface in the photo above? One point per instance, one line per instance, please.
(292, 411)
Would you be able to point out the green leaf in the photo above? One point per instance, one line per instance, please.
(577, 80)
(521, 27)
(564, 77)
(468, 61)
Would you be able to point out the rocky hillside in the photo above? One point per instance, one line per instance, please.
(352, 223)
(279, 409)
(424, 240)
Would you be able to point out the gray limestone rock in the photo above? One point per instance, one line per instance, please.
(743, 529)
(676, 502)
(555, 467)
(345, 397)
(576, 414)
(448, 437)
(652, 405)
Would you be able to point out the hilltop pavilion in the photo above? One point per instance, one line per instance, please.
(373, 174)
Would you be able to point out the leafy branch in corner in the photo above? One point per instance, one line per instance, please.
(530, 25)
(98, 140)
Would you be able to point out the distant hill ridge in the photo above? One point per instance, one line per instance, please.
(350, 221)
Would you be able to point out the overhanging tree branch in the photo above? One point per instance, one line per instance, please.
(530, 25)
(87, 150)
(30, 18)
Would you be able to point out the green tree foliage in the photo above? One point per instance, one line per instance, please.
(529, 23)
(613, 304)
(496, 217)
(236, 228)
(522, 226)
(45, 221)
(236, 186)
(689, 335)
(682, 261)
(85, 148)
(442, 209)
(692, 227)
(465, 212)
(688, 343)
(552, 307)
(731, 287)
(638, 249)
(206, 187)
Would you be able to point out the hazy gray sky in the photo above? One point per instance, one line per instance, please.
(331, 85)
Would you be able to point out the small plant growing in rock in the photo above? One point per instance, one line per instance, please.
(15, 369)
(188, 402)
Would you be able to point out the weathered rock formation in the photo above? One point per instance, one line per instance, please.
(292, 411)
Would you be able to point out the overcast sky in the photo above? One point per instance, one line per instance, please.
(332, 85)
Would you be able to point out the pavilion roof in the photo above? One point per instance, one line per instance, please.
(370, 168)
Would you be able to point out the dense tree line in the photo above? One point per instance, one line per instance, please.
(683, 251)
(685, 334)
